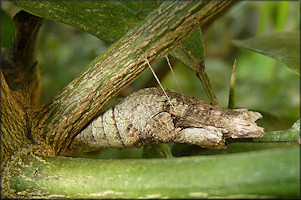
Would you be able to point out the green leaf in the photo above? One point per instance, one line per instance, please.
(107, 20)
(284, 47)
(191, 51)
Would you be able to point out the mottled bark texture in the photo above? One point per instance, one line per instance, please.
(148, 116)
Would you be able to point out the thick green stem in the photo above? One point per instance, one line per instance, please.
(68, 112)
(241, 175)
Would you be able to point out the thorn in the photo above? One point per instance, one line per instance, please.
(231, 103)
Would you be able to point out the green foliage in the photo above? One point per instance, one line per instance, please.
(284, 47)
(191, 51)
(107, 20)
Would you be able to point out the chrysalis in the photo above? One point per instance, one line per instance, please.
(148, 116)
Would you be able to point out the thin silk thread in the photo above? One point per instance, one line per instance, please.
(157, 79)
(169, 65)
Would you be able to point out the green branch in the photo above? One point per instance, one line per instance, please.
(243, 175)
(290, 135)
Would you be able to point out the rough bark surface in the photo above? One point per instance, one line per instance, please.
(148, 116)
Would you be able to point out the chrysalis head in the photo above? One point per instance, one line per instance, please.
(209, 126)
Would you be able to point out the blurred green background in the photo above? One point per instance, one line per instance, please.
(263, 84)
